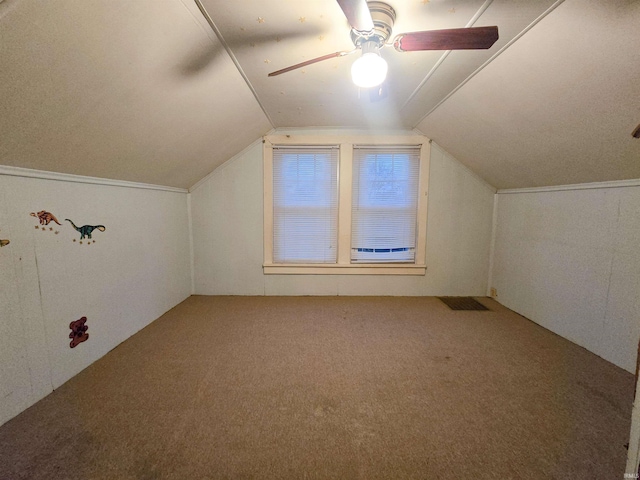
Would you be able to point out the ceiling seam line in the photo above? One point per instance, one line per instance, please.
(233, 58)
(426, 78)
(473, 20)
(507, 45)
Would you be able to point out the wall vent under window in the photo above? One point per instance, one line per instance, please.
(463, 303)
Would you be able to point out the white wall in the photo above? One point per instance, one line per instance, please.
(227, 210)
(569, 260)
(136, 270)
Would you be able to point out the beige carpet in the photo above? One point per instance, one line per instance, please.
(330, 387)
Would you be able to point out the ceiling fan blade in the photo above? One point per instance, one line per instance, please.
(450, 39)
(312, 61)
(358, 14)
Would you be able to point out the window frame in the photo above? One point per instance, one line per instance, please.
(314, 202)
(367, 210)
(344, 264)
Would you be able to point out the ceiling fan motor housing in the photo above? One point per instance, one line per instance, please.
(383, 16)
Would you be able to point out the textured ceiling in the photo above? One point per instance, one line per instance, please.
(148, 91)
(114, 90)
(272, 34)
(557, 107)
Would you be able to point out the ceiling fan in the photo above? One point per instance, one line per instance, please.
(371, 27)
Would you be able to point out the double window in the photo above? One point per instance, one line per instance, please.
(345, 207)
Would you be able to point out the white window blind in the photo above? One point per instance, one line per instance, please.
(305, 204)
(384, 203)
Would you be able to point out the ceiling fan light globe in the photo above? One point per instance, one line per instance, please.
(369, 70)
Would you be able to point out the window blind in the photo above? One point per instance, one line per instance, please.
(305, 204)
(384, 203)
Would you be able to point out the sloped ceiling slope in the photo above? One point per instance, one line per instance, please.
(129, 90)
(158, 91)
(557, 107)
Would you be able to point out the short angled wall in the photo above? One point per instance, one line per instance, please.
(121, 280)
(568, 259)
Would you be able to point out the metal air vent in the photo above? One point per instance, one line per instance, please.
(463, 303)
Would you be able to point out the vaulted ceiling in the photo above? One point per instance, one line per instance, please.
(164, 91)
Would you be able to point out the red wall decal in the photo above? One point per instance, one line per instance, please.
(78, 332)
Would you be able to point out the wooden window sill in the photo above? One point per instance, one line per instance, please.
(346, 269)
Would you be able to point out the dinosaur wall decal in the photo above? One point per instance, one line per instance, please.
(45, 217)
(4, 243)
(85, 230)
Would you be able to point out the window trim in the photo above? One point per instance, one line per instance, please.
(345, 164)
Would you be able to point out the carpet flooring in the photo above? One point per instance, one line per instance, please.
(330, 387)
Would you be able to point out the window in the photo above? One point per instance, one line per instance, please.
(305, 205)
(384, 204)
(345, 205)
